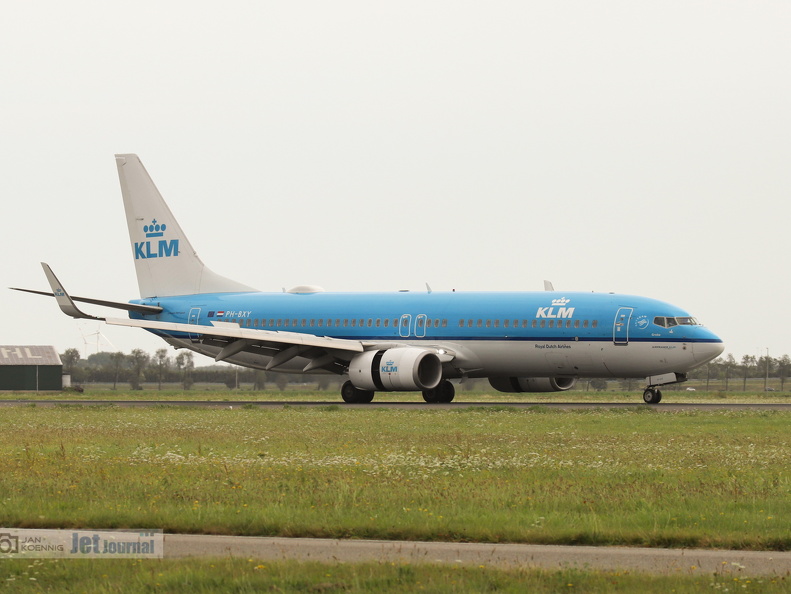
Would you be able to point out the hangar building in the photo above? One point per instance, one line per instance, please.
(30, 368)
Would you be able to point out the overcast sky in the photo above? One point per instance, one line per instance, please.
(635, 147)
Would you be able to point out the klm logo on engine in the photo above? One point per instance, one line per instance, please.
(558, 310)
(153, 247)
(390, 367)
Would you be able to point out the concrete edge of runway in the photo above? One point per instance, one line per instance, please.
(506, 556)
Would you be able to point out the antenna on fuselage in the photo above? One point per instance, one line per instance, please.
(548, 286)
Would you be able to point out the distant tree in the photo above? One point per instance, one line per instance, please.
(139, 360)
(748, 362)
(69, 359)
(730, 363)
(783, 365)
(117, 361)
(281, 381)
(259, 380)
(185, 365)
(598, 384)
(323, 382)
(162, 362)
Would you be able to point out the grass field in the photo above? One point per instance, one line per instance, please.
(635, 476)
(250, 575)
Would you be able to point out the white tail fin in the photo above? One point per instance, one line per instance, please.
(165, 262)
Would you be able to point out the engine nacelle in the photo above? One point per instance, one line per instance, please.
(405, 368)
(532, 384)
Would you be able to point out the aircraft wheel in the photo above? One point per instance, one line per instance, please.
(652, 396)
(444, 392)
(353, 395)
(430, 396)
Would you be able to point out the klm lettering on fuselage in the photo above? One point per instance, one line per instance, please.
(161, 248)
(562, 311)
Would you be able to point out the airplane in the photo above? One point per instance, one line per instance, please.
(541, 341)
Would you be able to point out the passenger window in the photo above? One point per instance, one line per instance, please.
(497, 323)
(321, 323)
(584, 323)
(595, 323)
(378, 322)
(568, 323)
(369, 322)
(387, 322)
(488, 323)
(535, 323)
(444, 323)
(354, 323)
(576, 323)
(255, 323)
(543, 323)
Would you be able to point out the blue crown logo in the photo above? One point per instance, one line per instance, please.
(154, 229)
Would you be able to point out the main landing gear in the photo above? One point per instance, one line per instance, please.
(443, 393)
(353, 395)
(652, 395)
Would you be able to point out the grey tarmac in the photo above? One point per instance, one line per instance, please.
(670, 406)
(506, 556)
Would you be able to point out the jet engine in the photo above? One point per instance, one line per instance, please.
(406, 368)
(532, 384)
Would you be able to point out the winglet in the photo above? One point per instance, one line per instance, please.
(64, 301)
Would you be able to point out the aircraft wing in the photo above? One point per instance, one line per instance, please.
(233, 332)
(321, 352)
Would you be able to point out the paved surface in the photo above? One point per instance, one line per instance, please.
(660, 561)
(670, 406)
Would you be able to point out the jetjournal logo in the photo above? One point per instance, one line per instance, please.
(156, 245)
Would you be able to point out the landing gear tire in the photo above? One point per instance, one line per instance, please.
(652, 396)
(353, 395)
(443, 393)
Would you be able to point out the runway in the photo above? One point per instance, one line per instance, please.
(509, 556)
(669, 406)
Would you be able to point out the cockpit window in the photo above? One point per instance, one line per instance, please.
(667, 322)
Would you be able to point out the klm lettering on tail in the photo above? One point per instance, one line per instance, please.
(561, 313)
(162, 248)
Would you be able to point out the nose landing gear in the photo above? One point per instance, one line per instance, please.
(652, 395)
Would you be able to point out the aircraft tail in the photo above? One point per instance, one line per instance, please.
(165, 262)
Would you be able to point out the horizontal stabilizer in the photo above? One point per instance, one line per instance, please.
(143, 309)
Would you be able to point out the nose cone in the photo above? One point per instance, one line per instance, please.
(706, 346)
